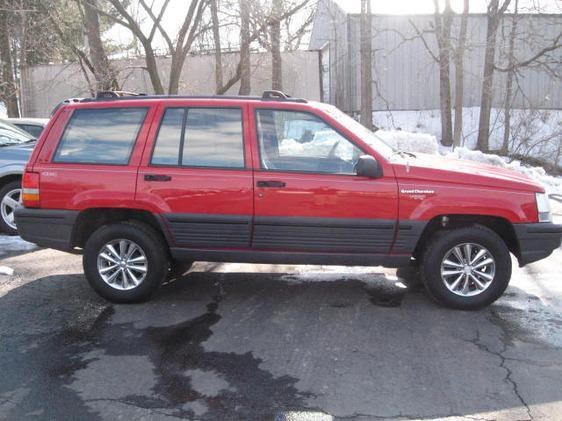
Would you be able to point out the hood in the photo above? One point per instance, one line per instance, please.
(438, 168)
(16, 153)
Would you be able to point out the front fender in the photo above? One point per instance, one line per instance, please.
(435, 200)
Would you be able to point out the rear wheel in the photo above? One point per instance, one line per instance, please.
(10, 200)
(466, 268)
(125, 263)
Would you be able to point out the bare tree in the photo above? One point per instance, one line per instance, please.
(494, 15)
(509, 80)
(178, 49)
(8, 87)
(459, 75)
(275, 33)
(217, 43)
(443, 23)
(245, 69)
(103, 70)
(366, 65)
(259, 30)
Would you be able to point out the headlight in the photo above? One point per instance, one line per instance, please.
(543, 206)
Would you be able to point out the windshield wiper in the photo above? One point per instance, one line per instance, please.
(405, 153)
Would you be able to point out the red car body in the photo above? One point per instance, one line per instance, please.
(257, 215)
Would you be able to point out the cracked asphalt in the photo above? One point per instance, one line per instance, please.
(261, 342)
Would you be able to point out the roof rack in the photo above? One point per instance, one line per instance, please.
(116, 94)
(278, 95)
(124, 95)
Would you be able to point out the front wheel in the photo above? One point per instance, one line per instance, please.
(125, 263)
(466, 268)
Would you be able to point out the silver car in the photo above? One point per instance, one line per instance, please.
(33, 126)
(15, 149)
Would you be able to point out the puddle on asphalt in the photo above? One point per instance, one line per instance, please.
(246, 390)
(385, 298)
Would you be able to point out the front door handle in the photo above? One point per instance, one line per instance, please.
(271, 183)
(157, 177)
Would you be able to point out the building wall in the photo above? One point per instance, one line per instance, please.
(407, 77)
(47, 85)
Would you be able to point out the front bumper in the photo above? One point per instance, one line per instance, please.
(46, 227)
(537, 241)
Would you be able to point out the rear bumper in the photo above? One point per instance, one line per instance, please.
(537, 241)
(46, 227)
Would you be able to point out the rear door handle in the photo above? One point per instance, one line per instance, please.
(157, 177)
(271, 184)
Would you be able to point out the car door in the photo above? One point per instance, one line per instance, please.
(307, 196)
(195, 175)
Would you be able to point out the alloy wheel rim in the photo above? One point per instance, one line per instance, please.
(122, 264)
(10, 202)
(468, 269)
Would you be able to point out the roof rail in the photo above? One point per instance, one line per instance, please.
(116, 94)
(274, 95)
(124, 95)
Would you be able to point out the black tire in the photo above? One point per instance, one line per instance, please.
(4, 190)
(151, 243)
(178, 269)
(445, 241)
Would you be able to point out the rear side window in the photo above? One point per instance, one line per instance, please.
(100, 136)
(200, 137)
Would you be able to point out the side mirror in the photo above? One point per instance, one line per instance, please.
(367, 166)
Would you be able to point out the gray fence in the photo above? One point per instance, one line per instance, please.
(46, 85)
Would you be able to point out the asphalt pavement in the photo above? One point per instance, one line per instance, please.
(262, 342)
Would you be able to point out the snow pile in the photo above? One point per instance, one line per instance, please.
(408, 141)
(5, 270)
(427, 143)
(552, 185)
(321, 145)
(536, 131)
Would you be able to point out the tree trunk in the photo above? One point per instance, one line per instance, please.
(276, 61)
(245, 69)
(509, 83)
(103, 71)
(8, 89)
(493, 15)
(366, 65)
(152, 68)
(443, 33)
(459, 75)
(218, 48)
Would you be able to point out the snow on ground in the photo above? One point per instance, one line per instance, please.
(5, 270)
(14, 244)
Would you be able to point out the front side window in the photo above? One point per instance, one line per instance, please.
(300, 141)
(200, 137)
(100, 136)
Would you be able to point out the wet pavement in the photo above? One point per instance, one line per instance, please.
(260, 342)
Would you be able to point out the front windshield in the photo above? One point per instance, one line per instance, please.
(361, 131)
(12, 136)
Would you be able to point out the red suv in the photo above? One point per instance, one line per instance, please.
(143, 186)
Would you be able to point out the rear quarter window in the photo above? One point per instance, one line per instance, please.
(100, 136)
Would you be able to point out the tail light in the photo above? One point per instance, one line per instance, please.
(30, 189)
